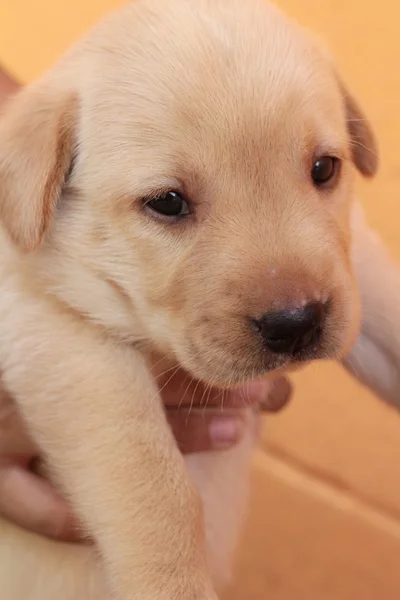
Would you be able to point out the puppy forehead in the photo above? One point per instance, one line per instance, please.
(212, 80)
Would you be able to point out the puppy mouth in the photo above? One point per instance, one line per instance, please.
(252, 360)
(234, 372)
(228, 355)
(270, 394)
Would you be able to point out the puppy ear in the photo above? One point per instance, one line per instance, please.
(36, 145)
(363, 142)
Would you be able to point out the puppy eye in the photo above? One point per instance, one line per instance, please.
(170, 205)
(324, 170)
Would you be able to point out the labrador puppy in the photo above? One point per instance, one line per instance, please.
(180, 184)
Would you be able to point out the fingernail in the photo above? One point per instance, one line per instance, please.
(279, 395)
(225, 431)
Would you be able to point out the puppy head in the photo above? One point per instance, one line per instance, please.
(208, 203)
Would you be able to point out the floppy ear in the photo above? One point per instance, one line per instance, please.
(363, 142)
(36, 144)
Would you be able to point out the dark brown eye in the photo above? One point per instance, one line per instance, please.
(169, 204)
(324, 170)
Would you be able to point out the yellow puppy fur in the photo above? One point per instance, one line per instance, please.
(227, 107)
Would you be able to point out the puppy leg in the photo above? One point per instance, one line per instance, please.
(375, 358)
(94, 410)
(36, 568)
(40, 569)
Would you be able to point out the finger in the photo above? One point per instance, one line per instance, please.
(279, 395)
(7, 85)
(14, 438)
(271, 395)
(29, 501)
(181, 390)
(204, 430)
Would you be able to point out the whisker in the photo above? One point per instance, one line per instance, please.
(220, 393)
(203, 394)
(186, 391)
(208, 397)
(158, 362)
(359, 120)
(222, 401)
(192, 401)
(356, 143)
(206, 389)
(166, 383)
(167, 371)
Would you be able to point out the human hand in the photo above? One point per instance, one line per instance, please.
(196, 418)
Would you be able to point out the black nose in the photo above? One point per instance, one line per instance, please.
(289, 331)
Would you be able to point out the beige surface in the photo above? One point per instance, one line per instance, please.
(325, 518)
(34, 32)
(311, 546)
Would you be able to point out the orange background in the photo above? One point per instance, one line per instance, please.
(325, 516)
